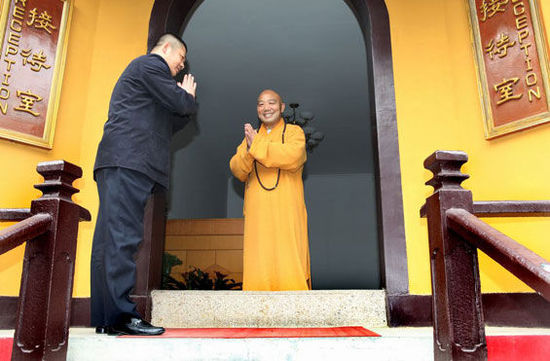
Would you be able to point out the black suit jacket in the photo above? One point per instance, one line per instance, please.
(147, 107)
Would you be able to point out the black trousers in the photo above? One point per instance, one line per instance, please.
(123, 194)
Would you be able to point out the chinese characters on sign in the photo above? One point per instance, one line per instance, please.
(512, 64)
(31, 68)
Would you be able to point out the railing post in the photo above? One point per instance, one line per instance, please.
(456, 295)
(42, 326)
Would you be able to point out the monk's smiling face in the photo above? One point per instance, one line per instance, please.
(270, 107)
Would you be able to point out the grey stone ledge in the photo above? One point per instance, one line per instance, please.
(324, 308)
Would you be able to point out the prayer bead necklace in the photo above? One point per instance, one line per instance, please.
(278, 171)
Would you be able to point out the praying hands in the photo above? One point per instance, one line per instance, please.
(249, 134)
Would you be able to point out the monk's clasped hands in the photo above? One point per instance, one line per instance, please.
(249, 134)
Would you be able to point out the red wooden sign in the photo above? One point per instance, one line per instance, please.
(512, 64)
(34, 39)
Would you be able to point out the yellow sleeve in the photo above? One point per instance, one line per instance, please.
(241, 163)
(289, 156)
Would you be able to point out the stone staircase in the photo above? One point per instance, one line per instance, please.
(224, 309)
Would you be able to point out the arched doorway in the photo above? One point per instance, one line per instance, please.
(173, 15)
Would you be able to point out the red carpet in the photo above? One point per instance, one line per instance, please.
(5, 349)
(518, 348)
(265, 332)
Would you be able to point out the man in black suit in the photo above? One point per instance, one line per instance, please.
(147, 106)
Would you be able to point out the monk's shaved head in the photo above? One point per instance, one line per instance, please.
(272, 92)
(270, 107)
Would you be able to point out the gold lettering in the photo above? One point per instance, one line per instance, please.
(525, 48)
(522, 11)
(11, 50)
(506, 91)
(38, 60)
(489, 8)
(522, 35)
(6, 78)
(10, 63)
(4, 93)
(531, 79)
(500, 47)
(27, 102)
(12, 26)
(529, 66)
(24, 2)
(521, 22)
(14, 38)
(32, 19)
(19, 13)
(42, 21)
(535, 93)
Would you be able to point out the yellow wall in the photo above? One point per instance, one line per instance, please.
(437, 108)
(105, 35)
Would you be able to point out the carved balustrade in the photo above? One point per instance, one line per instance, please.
(49, 229)
(455, 235)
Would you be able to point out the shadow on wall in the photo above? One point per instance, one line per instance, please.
(184, 137)
(180, 141)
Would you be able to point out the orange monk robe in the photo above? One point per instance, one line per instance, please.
(276, 251)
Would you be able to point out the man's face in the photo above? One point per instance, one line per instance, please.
(269, 107)
(175, 57)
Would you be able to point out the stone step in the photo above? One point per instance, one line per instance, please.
(204, 309)
(395, 344)
(84, 345)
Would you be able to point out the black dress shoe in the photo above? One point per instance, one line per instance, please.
(102, 329)
(135, 326)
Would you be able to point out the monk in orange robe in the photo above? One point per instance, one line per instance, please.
(270, 161)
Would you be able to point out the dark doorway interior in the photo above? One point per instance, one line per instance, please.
(312, 52)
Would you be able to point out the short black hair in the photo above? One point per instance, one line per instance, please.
(172, 39)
